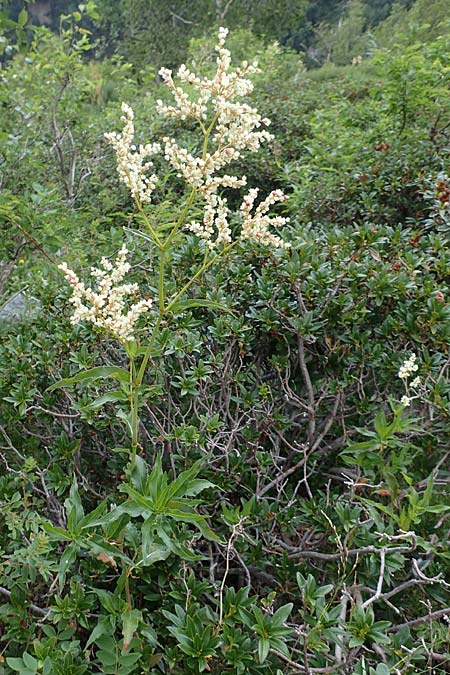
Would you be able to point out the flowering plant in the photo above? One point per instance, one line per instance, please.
(408, 368)
(228, 128)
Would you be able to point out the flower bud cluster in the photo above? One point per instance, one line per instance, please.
(131, 166)
(105, 307)
(408, 367)
(256, 226)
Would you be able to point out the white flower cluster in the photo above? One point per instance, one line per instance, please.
(131, 166)
(238, 127)
(106, 305)
(235, 127)
(225, 85)
(408, 367)
(256, 226)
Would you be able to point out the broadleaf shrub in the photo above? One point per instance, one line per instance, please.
(287, 506)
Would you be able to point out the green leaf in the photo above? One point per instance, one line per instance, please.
(22, 18)
(104, 627)
(259, 617)
(382, 669)
(57, 532)
(93, 516)
(263, 649)
(109, 397)
(195, 519)
(183, 305)
(427, 495)
(99, 373)
(130, 622)
(126, 419)
(152, 551)
(67, 559)
(139, 473)
(97, 544)
(169, 537)
(30, 661)
(108, 660)
(15, 664)
(109, 602)
(282, 614)
(178, 487)
(360, 447)
(438, 508)
(246, 617)
(146, 503)
(74, 508)
(197, 486)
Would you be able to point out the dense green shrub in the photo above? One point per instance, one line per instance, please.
(320, 539)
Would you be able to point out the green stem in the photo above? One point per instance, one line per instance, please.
(134, 406)
(157, 240)
(207, 135)
(148, 351)
(164, 310)
(163, 248)
(161, 289)
(199, 272)
(126, 573)
(180, 220)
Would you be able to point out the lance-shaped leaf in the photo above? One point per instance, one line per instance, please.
(106, 626)
(183, 305)
(130, 622)
(67, 559)
(109, 397)
(152, 551)
(178, 487)
(57, 533)
(74, 509)
(98, 373)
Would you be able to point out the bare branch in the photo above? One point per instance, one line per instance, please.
(180, 18)
(297, 666)
(432, 616)
(379, 590)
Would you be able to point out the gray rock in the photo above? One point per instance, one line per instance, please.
(20, 307)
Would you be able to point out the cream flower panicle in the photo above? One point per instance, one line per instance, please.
(231, 126)
(215, 221)
(238, 127)
(131, 166)
(408, 367)
(256, 226)
(106, 307)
